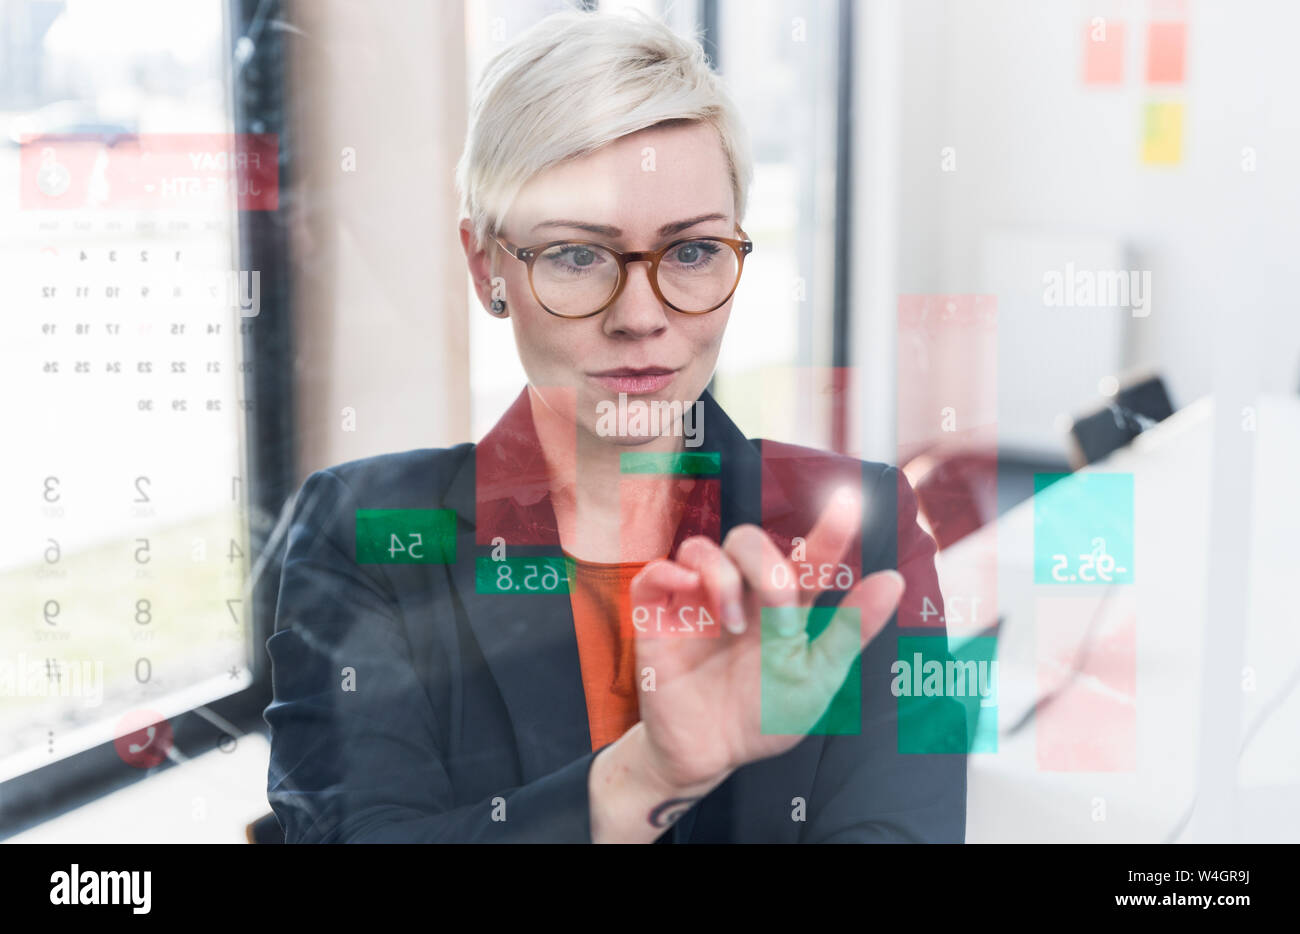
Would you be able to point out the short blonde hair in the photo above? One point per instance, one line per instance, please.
(577, 81)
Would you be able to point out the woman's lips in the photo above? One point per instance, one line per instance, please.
(633, 382)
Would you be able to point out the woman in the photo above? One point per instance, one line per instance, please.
(615, 618)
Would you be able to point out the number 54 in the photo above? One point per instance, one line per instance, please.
(395, 545)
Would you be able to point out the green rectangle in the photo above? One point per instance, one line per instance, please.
(947, 699)
(406, 536)
(538, 575)
(785, 687)
(708, 463)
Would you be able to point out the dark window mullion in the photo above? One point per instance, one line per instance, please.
(840, 331)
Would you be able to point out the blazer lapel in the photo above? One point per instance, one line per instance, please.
(527, 640)
(529, 645)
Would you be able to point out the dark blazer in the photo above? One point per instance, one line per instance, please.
(467, 707)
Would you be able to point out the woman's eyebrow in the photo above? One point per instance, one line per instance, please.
(605, 230)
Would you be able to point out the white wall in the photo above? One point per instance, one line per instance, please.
(1037, 150)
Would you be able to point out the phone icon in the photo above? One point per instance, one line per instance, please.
(133, 748)
(143, 739)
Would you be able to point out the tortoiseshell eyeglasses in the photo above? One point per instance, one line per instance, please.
(581, 278)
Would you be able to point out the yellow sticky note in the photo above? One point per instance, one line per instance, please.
(1162, 134)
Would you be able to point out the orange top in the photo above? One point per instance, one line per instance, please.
(606, 649)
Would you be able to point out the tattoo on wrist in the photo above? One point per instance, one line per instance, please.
(667, 813)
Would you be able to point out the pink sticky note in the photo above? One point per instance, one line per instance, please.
(1103, 51)
(1166, 52)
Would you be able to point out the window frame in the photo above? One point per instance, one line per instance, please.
(257, 89)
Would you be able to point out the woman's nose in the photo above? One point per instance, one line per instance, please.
(637, 312)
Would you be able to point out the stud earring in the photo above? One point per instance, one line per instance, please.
(499, 307)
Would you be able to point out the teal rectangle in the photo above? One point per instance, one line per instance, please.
(1083, 528)
(406, 536)
(784, 710)
(694, 463)
(521, 576)
(947, 699)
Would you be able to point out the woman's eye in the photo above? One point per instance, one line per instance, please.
(573, 258)
(577, 256)
(693, 254)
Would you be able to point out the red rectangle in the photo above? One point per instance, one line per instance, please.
(1086, 650)
(150, 172)
(798, 484)
(947, 451)
(513, 481)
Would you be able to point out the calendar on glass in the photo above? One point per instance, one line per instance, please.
(124, 558)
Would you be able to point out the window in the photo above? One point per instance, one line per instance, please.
(780, 61)
(125, 563)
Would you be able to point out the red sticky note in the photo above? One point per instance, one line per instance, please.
(1166, 52)
(1103, 52)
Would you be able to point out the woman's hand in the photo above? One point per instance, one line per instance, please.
(755, 685)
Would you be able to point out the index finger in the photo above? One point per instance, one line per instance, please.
(829, 539)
